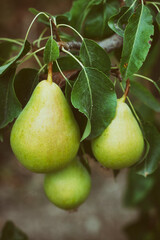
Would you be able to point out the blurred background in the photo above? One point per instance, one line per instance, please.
(22, 200)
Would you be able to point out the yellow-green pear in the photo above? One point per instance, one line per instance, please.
(121, 144)
(45, 137)
(68, 188)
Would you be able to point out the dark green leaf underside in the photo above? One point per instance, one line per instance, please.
(25, 82)
(11, 232)
(145, 96)
(9, 104)
(150, 164)
(24, 50)
(93, 95)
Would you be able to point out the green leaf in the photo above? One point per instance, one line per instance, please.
(117, 23)
(25, 82)
(129, 2)
(9, 104)
(68, 90)
(41, 18)
(138, 188)
(66, 63)
(143, 228)
(24, 50)
(66, 37)
(113, 22)
(6, 49)
(136, 41)
(95, 25)
(62, 18)
(92, 55)
(145, 96)
(81, 6)
(150, 164)
(51, 51)
(158, 19)
(11, 232)
(93, 95)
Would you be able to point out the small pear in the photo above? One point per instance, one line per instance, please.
(69, 187)
(121, 144)
(45, 137)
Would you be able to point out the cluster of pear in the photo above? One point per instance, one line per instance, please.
(45, 138)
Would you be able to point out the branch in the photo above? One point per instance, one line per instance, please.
(127, 88)
(109, 44)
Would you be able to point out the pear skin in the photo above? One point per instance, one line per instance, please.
(45, 137)
(69, 187)
(121, 144)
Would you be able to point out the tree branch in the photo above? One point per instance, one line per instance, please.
(109, 44)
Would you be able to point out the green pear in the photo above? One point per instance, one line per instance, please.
(121, 144)
(69, 187)
(45, 137)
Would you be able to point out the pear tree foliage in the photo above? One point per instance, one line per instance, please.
(91, 74)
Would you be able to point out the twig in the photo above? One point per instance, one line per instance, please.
(127, 88)
(55, 31)
(116, 72)
(111, 43)
(108, 44)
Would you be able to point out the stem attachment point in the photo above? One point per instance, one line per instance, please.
(49, 78)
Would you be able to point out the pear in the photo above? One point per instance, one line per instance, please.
(121, 144)
(45, 137)
(69, 187)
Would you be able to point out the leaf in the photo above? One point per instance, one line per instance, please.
(24, 50)
(143, 228)
(62, 18)
(11, 232)
(129, 2)
(25, 82)
(117, 23)
(95, 25)
(158, 19)
(51, 51)
(66, 37)
(66, 63)
(136, 41)
(138, 188)
(93, 95)
(81, 6)
(92, 55)
(150, 164)
(68, 90)
(9, 104)
(145, 96)
(41, 18)
(6, 48)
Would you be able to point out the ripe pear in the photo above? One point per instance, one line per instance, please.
(45, 137)
(121, 144)
(69, 187)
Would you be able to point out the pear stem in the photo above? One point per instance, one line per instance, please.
(138, 119)
(49, 79)
(127, 89)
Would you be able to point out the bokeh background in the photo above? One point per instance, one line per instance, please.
(22, 200)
